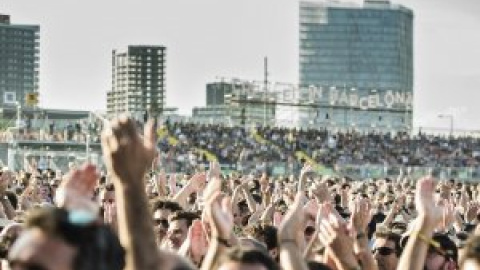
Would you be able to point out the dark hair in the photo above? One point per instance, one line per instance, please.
(189, 217)
(12, 198)
(97, 245)
(263, 233)
(165, 205)
(242, 206)
(391, 236)
(108, 187)
(312, 265)
(249, 256)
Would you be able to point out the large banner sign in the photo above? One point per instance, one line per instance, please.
(363, 99)
(358, 99)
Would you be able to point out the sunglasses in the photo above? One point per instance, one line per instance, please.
(110, 201)
(384, 251)
(162, 222)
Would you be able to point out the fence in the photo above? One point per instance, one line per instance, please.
(466, 174)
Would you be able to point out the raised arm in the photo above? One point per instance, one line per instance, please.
(196, 183)
(429, 215)
(127, 157)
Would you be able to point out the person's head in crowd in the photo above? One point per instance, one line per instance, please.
(50, 241)
(250, 243)
(161, 210)
(246, 259)
(451, 183)
(266, 234)
(387, 249)
(178, 224)
(106, 195)
(312, 265)
(45, 192)
(442, 255)
(410, 201)
(54, 184)
(240, 213)
(172, 261)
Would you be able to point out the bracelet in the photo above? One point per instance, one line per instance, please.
(223, 242)
(426, 240)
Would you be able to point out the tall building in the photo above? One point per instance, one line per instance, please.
(360, 58)
(19, 61)
(138, 81)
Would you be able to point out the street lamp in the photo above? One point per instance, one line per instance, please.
(450, 117)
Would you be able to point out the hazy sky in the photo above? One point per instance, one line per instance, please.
(227, 38)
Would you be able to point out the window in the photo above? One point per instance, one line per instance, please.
(9, 97)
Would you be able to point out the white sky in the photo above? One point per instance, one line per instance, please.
(210, 38)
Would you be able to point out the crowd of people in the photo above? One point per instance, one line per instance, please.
(55, 131)
(136, 216)
(234, 145)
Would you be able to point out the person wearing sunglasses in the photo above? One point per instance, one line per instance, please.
(161, 210)
(387, 250)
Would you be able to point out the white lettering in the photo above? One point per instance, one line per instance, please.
(343, 98)
(399, 97)
(333, 96)
(353, 100)
(389, 99)
(363, 103)
(372, 101)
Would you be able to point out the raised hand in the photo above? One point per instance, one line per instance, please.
(127, 155)
(220, 217)
(333, 234)
(425, 203)
(361, 215)
(214, 185)
(302, 181)
(472, 212)
(214, 171)
(197, 182)
(198, 241)
(320, 191)
(76, 190)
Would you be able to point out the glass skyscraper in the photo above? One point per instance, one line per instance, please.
(19, 60)
(360, 59)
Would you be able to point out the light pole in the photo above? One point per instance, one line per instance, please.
(450, 117)
(353, 92)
